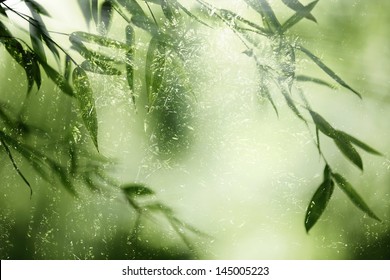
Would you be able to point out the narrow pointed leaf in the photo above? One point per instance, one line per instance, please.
(130, 40)
(84, 95)
(68, 67)
(303, 78)
(38, 8)
(304, 12)
(229, 15)
(36, 41)
(358, 143)
(318, 203)
(152, 49)
(85, 6)
(145, 24)
(2, 12)
(327, 70)
(291, 104)
(323, 125)
(57, 78)
(267, 14)
(353, 195)
(102, 41)
(133, 190)
(297, 6)
(191, 15)
(106, 14)
(349, 151)
(95, 11)
(99, 67)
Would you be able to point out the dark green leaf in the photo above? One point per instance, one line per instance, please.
(84, 95)
(36, 41)
(106, 14)
(9, 154)
(68, 67)
(133, 190)
(38, 8)
(318, 203)
(132, 7)
(2, 11)
(353, 195)
(291, 104)
(145, 24)
(297, 6)
(323, 125)
(303, 12)
(130, 40)
(358, 143)
(57, 78)
(349, 151)
(303, 78)
(327, 70)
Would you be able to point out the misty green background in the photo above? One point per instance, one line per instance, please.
(245, 177)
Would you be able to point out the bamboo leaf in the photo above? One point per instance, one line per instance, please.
(145, 23)
(303, 78)
(349, 151)
(133, 190)
(95, 11)
(157, 206)
(151, 53)
(323, 125)
(68, 67)
(84, 95)
(327, 70)
(318, 203)
(38, 8)
(167, 10)
(36, 41)
(303, 12)
(106, 14)
(57, 78)
(99, 67)
(297, 6)
(85, 6)
(358, 143)
(9, 154)
(353, 195)
(130, 40)
(102, 41)
(267, 14)
(291, 104)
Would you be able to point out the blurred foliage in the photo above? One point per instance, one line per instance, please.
(164, 94)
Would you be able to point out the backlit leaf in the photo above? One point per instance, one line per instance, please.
(303, 78)
(267, 14)
(327, 70)
(84, 95)
(353, 195)
(130, 40)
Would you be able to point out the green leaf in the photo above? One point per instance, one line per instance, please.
(36, 41)
(85, 6)
(229, 16)
(145, 24)
(267, 14)
(133, 190)
(323, 125)
(291, 104)
(84, 95)
(99, 40)
(304, 12)
(303, 78)
(353, 195)
(130, 40)
(191, 15)
(57, 78)
(157, 206)
(150, 56)
(349, 151)
(106, 14)
(297, 6)
(318, 203)
(327, 70)
(95, 11)
(38, 8)
(99, 67)
(358, 143)
(2, 12)
(9, 154)
(167, 10)
(68, 67)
